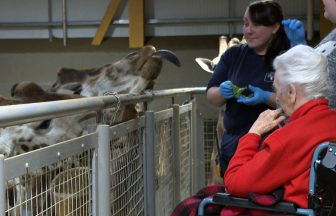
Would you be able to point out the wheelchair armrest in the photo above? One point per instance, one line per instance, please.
(227, 199)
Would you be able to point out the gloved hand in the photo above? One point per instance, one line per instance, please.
(259, 96)
(295, 31)
(226, 90)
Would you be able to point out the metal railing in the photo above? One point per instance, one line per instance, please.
(144, 166)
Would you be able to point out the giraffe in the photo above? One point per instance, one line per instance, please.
(209, 65)
(133, 74)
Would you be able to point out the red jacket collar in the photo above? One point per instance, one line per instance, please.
(315, 104)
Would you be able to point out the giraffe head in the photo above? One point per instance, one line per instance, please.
(134, 73)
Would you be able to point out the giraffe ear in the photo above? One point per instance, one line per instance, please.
(206, 64)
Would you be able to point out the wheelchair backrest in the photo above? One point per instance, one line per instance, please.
(322, 197)
(329, 160)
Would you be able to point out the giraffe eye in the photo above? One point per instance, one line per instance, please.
(131, 55)
(44, 125)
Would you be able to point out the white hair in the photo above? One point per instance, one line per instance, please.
(303, 67)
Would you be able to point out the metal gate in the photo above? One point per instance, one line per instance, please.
(144, 166)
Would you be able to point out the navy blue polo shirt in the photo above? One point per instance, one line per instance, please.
(241, 65)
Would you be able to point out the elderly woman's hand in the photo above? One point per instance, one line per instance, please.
(267, 120)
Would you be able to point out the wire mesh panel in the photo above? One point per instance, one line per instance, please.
(185, 157)
(50, 184)
(164, 163)
(126, 171)
(70, 191)
(210, 143)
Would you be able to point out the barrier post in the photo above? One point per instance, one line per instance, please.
(2, 186)
(197, 149)
(103, 171)
(176, 153)
(149, 167)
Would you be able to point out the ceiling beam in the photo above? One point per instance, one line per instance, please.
(105, 23)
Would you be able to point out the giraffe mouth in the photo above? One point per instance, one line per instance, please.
(168, 55)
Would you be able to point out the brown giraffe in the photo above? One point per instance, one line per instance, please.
(209, 65)
(134, 73)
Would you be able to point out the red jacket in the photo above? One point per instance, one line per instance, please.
(285, 156)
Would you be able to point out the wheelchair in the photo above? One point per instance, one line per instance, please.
(321, 194)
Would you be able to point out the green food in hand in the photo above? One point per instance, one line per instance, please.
(240, 92)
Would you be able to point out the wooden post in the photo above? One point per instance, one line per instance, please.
(136, 23)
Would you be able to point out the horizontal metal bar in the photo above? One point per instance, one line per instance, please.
(163, 114)
(48, 24)
(59, 24)
(185, 108)
(29, 162)
(118, 22)
(148, 95)
(24, 113)
(177, 91)
(127, 127)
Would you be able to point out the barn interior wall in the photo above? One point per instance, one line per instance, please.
(28, 54)
(162, 18)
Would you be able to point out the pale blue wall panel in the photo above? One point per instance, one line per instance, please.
(164, 18)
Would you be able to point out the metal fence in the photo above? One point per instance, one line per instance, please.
(56, 180)
(144, 166)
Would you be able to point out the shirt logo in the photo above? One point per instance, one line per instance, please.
(269, 77)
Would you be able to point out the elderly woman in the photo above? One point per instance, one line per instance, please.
(283, 158)
(270, 157)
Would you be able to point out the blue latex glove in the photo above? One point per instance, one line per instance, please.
(226, 90)
(295, 31)
(259, 96)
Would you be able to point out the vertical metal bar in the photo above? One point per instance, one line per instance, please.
(103, 183)
(193, 150)
(94, 178)
(94, 166)
(50, 20)
(176, 154)
(310, 19)
(65, 30)
(2, 186)
(145, 106)
(197, 150)
(200, 149)
(230, 15)
(149, 168)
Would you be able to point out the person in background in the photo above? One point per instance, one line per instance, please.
(283, 159)
(327, 46)
(248, 65)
